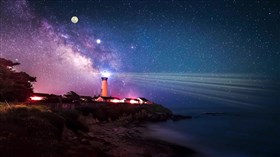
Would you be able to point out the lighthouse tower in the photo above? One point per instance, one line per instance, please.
(104, 84)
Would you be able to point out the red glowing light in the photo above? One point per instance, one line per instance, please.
(115, 101)
(133, 101)
(36, 98)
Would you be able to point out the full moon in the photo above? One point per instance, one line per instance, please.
(74, 19)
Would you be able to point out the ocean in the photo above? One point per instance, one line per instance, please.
(229, 132)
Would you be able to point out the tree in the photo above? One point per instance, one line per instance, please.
(14, 86)
(72, 97)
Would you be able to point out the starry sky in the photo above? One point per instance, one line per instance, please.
(138, 36)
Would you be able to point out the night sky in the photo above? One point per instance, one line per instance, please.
(144, 41)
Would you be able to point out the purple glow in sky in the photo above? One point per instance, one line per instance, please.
(47, 52)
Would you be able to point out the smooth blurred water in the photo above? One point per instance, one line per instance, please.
(234, 133)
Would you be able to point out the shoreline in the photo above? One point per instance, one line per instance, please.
(103, 131)
(130, 141)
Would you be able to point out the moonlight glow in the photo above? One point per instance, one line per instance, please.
(74, 19)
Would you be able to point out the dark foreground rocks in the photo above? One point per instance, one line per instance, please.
(119, 141)
(89, 131)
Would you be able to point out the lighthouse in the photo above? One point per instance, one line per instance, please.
(104, 84)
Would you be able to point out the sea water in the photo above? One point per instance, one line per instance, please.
(231, 132)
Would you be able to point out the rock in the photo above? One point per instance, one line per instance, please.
(85, 141)
(96, 120)
(67, 134)
(90, 134)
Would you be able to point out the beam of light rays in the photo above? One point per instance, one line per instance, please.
(206, 96)
(242, 89)
(229, 86)
(247, 82)
(243, 84)
(219, 75)
(215, 92)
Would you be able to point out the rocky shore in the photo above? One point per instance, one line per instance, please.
(122, 141)
(117, 132)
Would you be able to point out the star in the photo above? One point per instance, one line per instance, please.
(98, 41)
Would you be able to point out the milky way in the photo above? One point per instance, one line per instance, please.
(134, 39)
(46, 52)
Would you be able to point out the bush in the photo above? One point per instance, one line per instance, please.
(54, 119)
(97, 112)
(73, 122)
(118, 111)
(29, 131)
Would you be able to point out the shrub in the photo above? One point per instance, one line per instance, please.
(54, 119)
(113, 112)
(29, 131)
(73, 122)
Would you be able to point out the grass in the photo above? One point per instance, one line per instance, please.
(32, 130)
